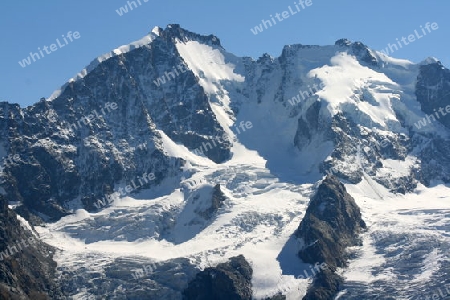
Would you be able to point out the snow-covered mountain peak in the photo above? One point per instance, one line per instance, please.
(157, 30)
(345, 79)
(343, 42)
(175, 32)
(172, 33)
(429, 60)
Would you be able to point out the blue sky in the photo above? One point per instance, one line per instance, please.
(26, 25)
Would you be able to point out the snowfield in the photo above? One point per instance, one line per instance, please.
(258, 221)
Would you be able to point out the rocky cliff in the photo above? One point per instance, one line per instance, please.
(226, 281)
(27, 270)
(332, 223)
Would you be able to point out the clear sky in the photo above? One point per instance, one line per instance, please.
(26, 25)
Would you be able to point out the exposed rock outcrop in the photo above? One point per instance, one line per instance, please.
(325, 286)
(226, 281)
(432, 91)
(27, 270)
(217, 199)
(331, 224)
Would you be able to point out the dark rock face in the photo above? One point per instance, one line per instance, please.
(332, 223)
(308, 127)
(324, 286)
(343, 42)
(217, 199)
(435, 160)
(433, 91)
(363, 53)
(227, 281)
(360, 50)
(27, 270)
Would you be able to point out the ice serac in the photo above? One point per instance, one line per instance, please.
(149, 280)
(332, 223)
